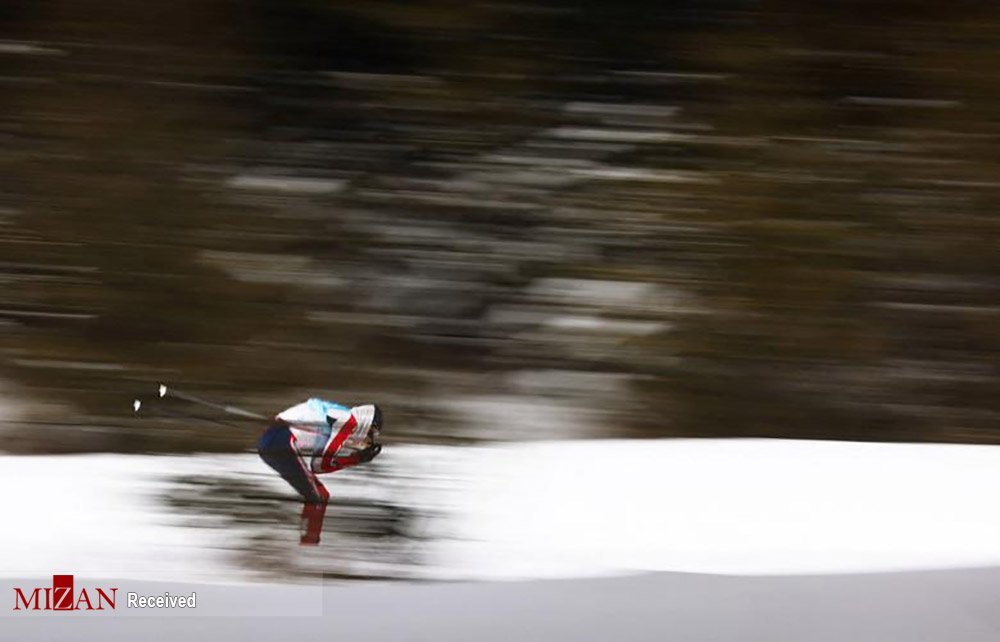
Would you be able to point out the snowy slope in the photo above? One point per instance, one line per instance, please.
(708, 506)
(99, 515)
(551, 509)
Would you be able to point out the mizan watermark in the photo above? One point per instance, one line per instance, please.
(60, 597)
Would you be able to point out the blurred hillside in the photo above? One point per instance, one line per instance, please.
(501, 220)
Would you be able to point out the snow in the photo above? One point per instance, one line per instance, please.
(564, 509)
(553, 509)
(287, 184)
(98, 515)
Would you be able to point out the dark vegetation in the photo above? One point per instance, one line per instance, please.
(786, 211)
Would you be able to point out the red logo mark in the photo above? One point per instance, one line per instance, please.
(60, 597)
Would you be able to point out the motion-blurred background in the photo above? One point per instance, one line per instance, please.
(500, 220)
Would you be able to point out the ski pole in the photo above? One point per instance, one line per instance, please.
(232, 410)
(160, 412)
(164, 392)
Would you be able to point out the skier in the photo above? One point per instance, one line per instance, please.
(316, 437)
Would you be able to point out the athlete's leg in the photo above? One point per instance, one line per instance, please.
(277, 448)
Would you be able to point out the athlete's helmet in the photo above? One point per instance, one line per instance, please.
(369, 417)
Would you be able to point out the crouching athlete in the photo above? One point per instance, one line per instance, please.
(317, 437)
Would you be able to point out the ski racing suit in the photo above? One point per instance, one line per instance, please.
(316, 437)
